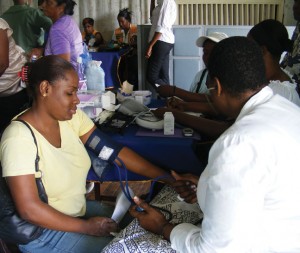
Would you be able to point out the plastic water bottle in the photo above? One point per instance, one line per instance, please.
(82, 78)
(95, 76)
(169, 123)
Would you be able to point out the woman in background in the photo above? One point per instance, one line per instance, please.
(90, 36)
(127, 32)
(126, 35)
(273, 38)
(64, 37)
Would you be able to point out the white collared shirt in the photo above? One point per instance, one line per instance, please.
(285, 89)
(162, 19)
(250, 191)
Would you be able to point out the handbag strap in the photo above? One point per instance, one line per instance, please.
(37, 158)
(40, 186)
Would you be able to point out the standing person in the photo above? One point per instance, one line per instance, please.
(64, 38)
(63, 134)
(127, 32)
(27, 24)
(161, 41)
(249, 191)
(291, 61)
(13, 97)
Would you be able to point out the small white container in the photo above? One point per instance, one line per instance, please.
(143, 96)
(169, 123)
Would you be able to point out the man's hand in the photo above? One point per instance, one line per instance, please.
(148, 52)
(150, 219)
(176, 103)
(186, 186)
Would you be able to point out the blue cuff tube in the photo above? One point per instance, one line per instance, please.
(103, 146)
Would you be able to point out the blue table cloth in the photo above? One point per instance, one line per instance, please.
(109, 65)
(174, 153)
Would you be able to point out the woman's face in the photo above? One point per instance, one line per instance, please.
(89, 29)
(62, 97)
(124, 23)
(52, 10)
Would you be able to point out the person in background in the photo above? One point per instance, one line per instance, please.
(90, 36)
(13, 97)
(272, 36)
(127, 32)
(207, 43)
(64, 134)
(161, 41)
(126, 36)
(27, 24)
(249, 191)
(64, 38)
(189, 100)
(291, 60)
(44, 35)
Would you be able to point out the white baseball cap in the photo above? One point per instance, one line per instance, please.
(215, 36)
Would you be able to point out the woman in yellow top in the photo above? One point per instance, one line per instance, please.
(90, 36)
(127, 32)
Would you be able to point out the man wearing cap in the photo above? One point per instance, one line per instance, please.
(207, 43)
(198, 90)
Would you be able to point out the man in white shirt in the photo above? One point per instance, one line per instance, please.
(249, 192)
(161, 41)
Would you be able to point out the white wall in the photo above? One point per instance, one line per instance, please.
(288, 18)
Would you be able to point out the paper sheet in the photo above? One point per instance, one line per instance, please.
(122, 205)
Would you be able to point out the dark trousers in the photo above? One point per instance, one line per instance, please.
(11, 106)
(128, 68)
(158, 64)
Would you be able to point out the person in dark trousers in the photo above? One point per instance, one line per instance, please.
(161, 41)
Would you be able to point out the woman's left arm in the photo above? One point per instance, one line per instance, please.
(134, 162)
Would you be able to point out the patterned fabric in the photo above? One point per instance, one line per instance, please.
(136, 239)
(291, 61)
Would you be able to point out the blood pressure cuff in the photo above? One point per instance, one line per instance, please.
(103, 146)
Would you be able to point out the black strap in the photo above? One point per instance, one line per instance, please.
(200, 81)
(37, 159)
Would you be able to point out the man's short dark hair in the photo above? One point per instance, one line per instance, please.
(238, 63)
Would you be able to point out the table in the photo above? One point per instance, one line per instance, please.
(167, 152)
(109, 64)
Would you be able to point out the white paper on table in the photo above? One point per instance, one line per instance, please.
(122, 205)
(108, 101)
